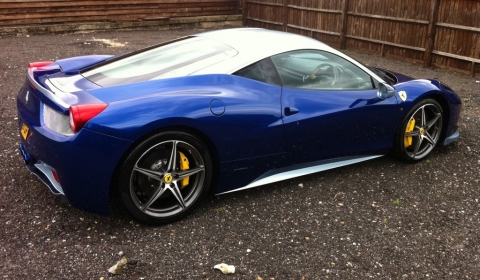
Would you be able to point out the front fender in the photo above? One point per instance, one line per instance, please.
(416, 90)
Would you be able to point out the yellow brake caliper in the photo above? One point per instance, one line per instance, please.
(184, 165)
(408, 139)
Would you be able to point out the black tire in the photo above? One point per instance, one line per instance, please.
(415, 142)
(152, 180)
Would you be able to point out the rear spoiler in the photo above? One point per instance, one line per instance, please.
(40, 69)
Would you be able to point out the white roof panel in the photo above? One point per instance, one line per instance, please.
(254, 44)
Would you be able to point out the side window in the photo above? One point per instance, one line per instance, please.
(262, 71)
(310, 69)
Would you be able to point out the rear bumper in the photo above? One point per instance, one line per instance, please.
(79, 168)
(43, 172)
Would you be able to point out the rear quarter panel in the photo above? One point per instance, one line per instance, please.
(248, 137)
(251, 125)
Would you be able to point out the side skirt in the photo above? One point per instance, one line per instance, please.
(452, 138)
(298, 170)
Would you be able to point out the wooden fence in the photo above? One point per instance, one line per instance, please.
(28, 12)
(443, 33)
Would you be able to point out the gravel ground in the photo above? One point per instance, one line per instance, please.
(380, 219)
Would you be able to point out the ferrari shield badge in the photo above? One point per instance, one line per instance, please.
(403, 95)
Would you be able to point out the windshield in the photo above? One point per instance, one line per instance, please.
(387, 77)
(178, 58)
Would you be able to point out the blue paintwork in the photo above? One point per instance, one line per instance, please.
(80, 162)
(252, 128)
(359, 121)
(421, 89)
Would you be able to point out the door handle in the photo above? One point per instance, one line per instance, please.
(290, 111)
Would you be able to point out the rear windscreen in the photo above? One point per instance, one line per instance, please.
(178, 58)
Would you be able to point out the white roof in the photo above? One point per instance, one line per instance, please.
(262, 42)
(254, 44)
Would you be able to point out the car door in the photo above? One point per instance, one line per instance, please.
(331, 108)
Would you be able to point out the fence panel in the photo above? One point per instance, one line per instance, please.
(458, 33)
(390, 25)
(265, 14)
(27, 12)
(317, 19)
(445, 33)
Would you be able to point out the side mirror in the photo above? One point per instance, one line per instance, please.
(385, 91)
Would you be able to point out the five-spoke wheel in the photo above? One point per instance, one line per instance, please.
(164, 178)
(420, 131)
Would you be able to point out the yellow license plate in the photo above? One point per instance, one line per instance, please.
(24, 131)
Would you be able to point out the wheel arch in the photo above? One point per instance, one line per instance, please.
(174, 128)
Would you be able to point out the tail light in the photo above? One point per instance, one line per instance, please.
(39, 64)
(81, 114)
(33, 66)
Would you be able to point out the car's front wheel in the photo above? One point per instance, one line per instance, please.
(420, 131)
(165, 177)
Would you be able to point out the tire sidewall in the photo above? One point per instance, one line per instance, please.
(137, 152)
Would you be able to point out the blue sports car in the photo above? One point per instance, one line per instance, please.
(219, 111)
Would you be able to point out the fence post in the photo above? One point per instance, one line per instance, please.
(285, 15)
(343, 31)
(431, 32)
(244, 12)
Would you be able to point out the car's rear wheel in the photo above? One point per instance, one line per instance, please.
(420, 131)
(165, 177)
